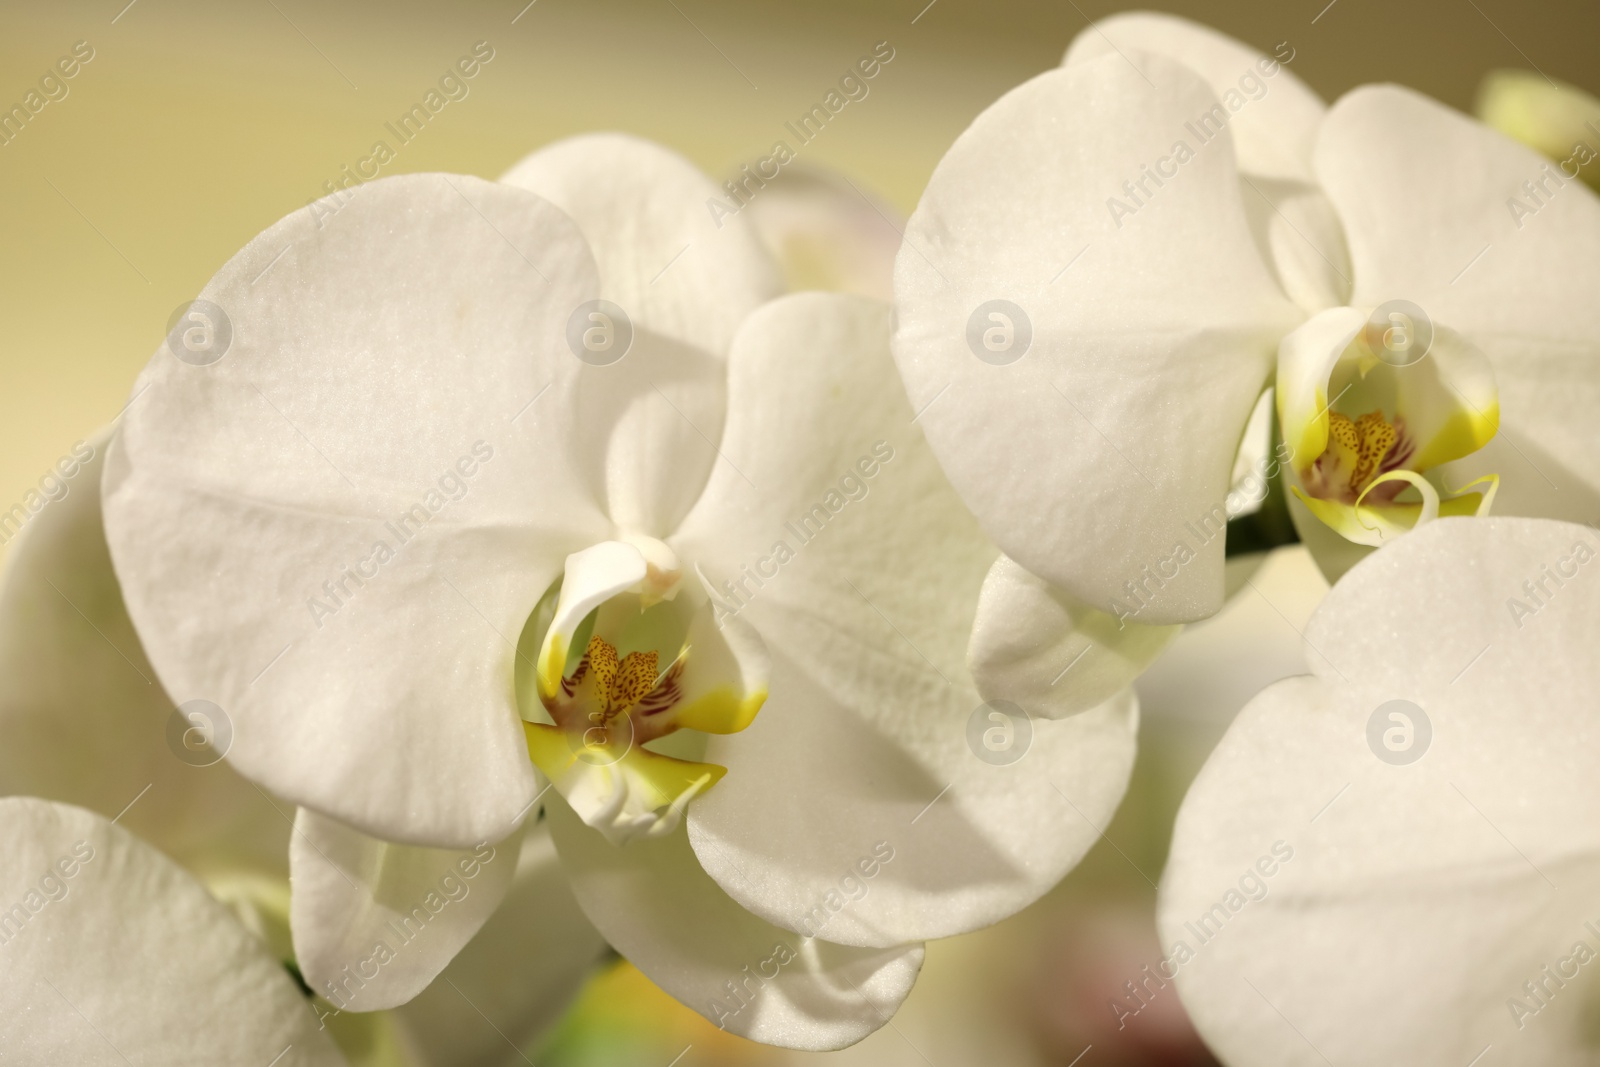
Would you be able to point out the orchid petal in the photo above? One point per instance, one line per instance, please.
(517, 974)
(114, 954)
(1151, 336)
(656, 906)
(1318, 842)
(1299, 234)
(1272, 114)
(639, 205)
(1273, 119)
(1036, 647)
(384, 387)
(374, 922)
(684, 280)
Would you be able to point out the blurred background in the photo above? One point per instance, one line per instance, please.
(196, 125)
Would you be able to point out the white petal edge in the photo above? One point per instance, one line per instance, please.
(657, 907)
(639, 206)
(114, 953)
(374, 922)
(1272, 113)
(518, 974)
(1036, 647)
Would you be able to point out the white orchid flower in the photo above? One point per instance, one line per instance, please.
(1115, 260)
(492, 471)
(84, 721)
(1392, 860)
(113, 954)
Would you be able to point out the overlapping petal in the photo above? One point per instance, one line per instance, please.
(517, 975)
(84, 718)
(647, 421)
(375, 922)
(114, 955)
(833, 533)
(1273, 117)
(1361, 880)
(1153, 321)
(1035, 646)
(1272, 114)
(336, 530)
(639, 205)
(656, 905)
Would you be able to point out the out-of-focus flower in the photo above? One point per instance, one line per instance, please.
(826, 232)
(86, 722)
(113, 953)
(1557, 120)
(624, 1018)
(1117, 258)
(1391, 860)
(404, 569)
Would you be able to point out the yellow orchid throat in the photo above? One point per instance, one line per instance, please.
(607, 703)
(1361, 459)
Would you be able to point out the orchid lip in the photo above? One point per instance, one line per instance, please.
(629, 655)
(1365, 454)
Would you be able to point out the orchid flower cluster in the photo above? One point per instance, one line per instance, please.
(490, 573)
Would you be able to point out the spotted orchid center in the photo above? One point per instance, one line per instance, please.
(609, 700)
(632, 675)
(1359, 451)
(1370, 462)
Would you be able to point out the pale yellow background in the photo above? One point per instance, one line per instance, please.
(199, 124)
